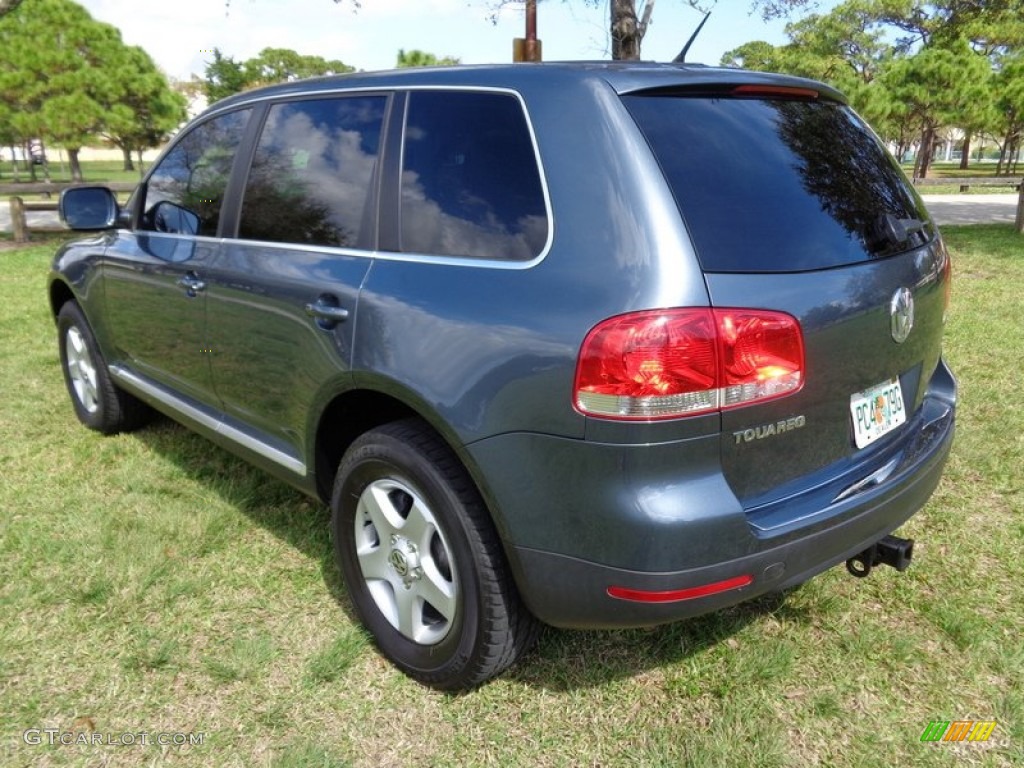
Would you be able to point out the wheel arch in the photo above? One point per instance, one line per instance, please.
(60, 294)
(356, 411)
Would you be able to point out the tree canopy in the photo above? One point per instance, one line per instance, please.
(226, 76)
(67, 78)
(911, 68)
(417, 58)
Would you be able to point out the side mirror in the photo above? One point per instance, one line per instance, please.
(171, 217)
(88, 208)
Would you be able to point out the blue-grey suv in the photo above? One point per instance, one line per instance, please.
(592, 345)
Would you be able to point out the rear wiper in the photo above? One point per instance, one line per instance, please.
(896, 231)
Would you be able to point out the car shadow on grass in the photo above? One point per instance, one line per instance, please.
(563, 659)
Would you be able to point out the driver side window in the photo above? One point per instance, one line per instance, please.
(186, 189)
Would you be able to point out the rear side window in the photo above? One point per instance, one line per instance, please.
(185, 191)
(779, 185)
(470, 182)
(311, 174)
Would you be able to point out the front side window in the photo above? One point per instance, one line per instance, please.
(185, 191)
(311, 174)
(471, 186)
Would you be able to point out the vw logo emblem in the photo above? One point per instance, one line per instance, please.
(901, 310)
(398, 562)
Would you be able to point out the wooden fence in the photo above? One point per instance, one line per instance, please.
(1013, 183)
(20, 206)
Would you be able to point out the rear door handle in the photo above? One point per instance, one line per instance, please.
(327, 312)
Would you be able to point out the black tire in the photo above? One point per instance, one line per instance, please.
(482, 627)
(99, 404)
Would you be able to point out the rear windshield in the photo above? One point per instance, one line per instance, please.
(779, 185)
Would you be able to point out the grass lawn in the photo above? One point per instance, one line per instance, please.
(153, 583)
(953, 170)
(95, 171)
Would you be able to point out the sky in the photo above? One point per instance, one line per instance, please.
(181, 34)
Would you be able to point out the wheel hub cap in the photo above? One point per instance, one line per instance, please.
(406, 561)
(81, 371)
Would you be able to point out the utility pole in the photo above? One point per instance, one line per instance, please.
(528, 48)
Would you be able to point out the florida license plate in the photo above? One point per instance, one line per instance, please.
(877, 411)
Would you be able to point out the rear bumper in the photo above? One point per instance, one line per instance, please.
(652, 535)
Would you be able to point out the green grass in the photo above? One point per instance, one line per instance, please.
(151, 582)
(954, 189)
(953, 170)
(95, 171)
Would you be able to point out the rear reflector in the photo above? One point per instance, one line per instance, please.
(669, 363)
(676, 595)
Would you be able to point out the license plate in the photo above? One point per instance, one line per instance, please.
(877, 411)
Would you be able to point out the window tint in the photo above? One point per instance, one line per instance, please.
(311, 174)
(778, 185)
(186, 189)
(470, 182)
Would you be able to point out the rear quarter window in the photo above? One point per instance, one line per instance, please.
(471, 186)
(778, 185)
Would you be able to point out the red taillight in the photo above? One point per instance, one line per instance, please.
(761, 355)
(678, 362)
(676, 595)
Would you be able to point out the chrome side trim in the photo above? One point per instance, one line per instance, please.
(132, 381)
(875, 478)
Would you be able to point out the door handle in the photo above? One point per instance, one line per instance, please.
(192, 284)
(327, 312)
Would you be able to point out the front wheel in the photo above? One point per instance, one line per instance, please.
(422, 561)
(98, 402)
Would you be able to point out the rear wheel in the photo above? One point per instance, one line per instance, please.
(422, 561)
(98, 402)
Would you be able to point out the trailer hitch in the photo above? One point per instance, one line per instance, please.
(891, 550)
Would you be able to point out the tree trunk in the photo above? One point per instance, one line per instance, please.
(46, 161)
(76, 167)
(625, 30)
(26, 149)
(1004, 159)
(965, 152)
(128, 164)
(1019, 219)
(924, 155)
(6, 6)
(142, 166)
